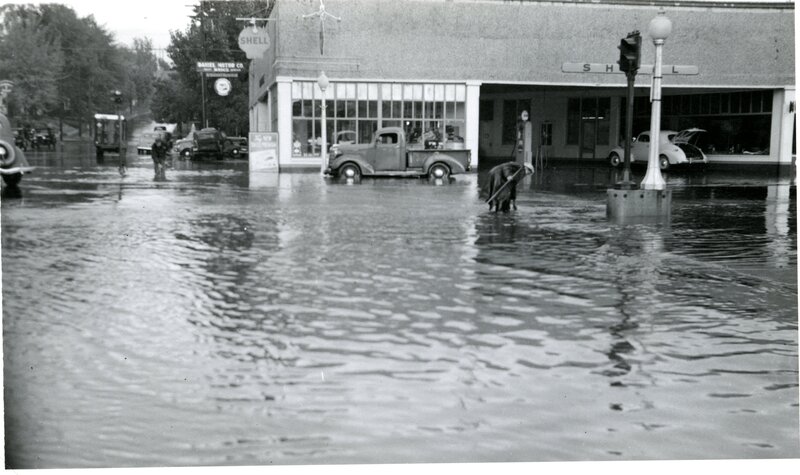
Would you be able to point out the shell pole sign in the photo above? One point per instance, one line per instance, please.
(254, 42)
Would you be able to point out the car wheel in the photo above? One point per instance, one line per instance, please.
(614, 159)
(235, 152)
(186, 153)
(99, 153)
(349, 171)
(7, 153)
(439, 171)
(663, 162)
(12, 180)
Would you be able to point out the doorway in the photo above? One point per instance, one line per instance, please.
(594, 125)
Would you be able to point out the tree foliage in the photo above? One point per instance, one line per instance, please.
(211, 35)
(65, 65)
(32, 62)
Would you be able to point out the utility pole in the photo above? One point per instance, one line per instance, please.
(203, 120)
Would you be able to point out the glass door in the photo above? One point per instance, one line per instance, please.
(588, 127)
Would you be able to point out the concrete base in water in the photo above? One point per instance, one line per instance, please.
(622, 204)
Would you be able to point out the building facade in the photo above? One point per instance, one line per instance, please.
(466, 69)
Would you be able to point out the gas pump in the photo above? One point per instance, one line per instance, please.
(524, 147)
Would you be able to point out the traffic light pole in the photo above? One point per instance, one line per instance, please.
(627, 183)
(630, 56)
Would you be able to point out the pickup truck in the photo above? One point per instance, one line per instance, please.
(208, 142)
(388, 155)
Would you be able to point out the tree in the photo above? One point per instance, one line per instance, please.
(212, 35)
(33, 63)
(143, 70)
(67, 65)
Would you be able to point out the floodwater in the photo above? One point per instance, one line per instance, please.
(221, 319)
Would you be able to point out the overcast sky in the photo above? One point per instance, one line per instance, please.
(129, 19)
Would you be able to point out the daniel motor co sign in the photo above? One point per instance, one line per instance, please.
(220, 70)
(254, 42)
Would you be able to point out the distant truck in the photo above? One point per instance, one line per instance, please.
(208, 142)
(388, 155)
(110, 131)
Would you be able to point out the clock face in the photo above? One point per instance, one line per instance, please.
(222, 86)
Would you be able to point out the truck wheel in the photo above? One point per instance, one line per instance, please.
(614, 160)
(663, 162)
(350, 171)
(439, 170)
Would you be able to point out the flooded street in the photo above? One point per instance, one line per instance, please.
(220, 319)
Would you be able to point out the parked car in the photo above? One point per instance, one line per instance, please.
(19, 138)
(44, 138)
(208, 142)
(675, 148)
(235, 147)
(13, 163)
(388, 155)
(183, 147)
(145, 140)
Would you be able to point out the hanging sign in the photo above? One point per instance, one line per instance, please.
(254, 42)
(222, 86)
(217, 67)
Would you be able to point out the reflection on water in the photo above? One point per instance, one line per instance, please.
(217, 318)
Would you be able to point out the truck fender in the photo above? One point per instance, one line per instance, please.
(10, 154)
(366, 168)
(438, 157)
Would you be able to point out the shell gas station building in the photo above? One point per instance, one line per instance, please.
(470, 67)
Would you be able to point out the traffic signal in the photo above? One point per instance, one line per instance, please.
(116, 96)
(630, 52)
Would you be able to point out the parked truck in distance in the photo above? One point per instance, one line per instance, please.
(110, 134)
(389, 155)
(208, 142)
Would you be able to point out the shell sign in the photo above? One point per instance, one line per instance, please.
(254, 42)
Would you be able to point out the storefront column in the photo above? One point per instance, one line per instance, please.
(782, 126)
(787, 126)
(473, 118)
(262, 116)
(284, 98)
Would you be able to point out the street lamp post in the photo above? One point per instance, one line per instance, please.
(323, 83)
(659, 29)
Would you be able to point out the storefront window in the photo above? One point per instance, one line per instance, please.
(355, 110)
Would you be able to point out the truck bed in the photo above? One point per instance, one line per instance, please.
(417, 157)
